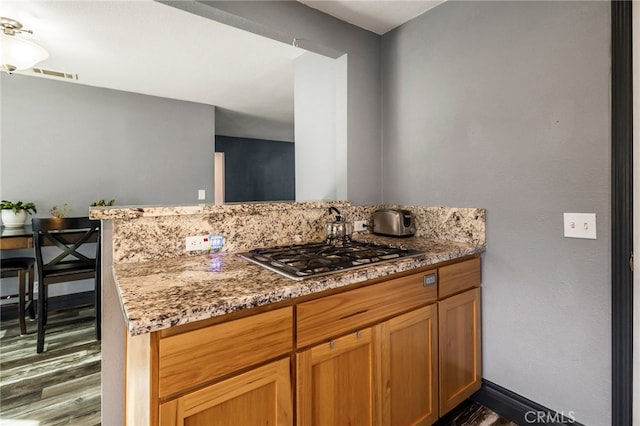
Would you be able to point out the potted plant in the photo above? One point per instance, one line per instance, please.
(60, 213)
(103, 203)
(14, 215)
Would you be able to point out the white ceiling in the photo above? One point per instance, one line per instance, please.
(146, 47)
(378, 16)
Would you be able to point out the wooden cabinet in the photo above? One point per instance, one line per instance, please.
(459, 331)
(385, 375)
(458, 277)
(335, 383)
(189, 376)
(187, 360)
(330, 316)
(409, 368)
(403, 351)
(261, 396)
(382, 375)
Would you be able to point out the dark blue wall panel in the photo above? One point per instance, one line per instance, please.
(257, 170)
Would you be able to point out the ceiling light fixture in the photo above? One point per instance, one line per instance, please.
(17, 53)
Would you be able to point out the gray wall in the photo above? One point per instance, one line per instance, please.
(241, 125)
(69, 143)
(505, 105)
(289, 20)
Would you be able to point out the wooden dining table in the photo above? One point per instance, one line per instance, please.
(16, 238)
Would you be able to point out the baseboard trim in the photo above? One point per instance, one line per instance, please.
(519, 409)
(9, 311)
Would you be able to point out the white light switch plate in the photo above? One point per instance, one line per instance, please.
(580, 225)
(201, 194)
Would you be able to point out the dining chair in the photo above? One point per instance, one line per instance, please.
(22, 267)
(66, 236)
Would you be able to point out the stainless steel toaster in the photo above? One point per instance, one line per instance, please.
(394, 222)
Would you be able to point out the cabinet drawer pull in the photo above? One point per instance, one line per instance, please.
(430, 279)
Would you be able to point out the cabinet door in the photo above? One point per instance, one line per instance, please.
(260, 396)
(335, 382)
(409, 368)
(460, 348)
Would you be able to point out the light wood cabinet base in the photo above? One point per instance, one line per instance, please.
(409, 368)
(260, 396)
(398, 352)
(460, 348)
(335, 384)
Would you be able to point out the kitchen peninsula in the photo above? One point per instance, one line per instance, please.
(201, 327)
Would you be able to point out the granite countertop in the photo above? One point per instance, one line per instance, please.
(164, 293)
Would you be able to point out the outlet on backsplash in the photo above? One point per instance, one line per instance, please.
(360, 225)
(198, 243)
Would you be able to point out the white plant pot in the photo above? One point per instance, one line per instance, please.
(13, 220)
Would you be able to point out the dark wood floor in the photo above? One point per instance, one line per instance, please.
(61, 386)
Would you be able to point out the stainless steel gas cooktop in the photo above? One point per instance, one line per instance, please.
(303, 261)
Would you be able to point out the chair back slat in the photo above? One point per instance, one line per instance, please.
(70, 266)
(67, 235)
(67, 247)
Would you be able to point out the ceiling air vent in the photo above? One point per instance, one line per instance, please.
(58, 74)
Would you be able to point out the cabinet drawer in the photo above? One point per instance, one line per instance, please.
(195, 357)
(458, 276)
(331, 316)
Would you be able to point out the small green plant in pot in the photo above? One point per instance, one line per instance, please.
(14, 214)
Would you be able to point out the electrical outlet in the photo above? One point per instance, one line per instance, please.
(197, 243)
(360, 225)
(580, 225)
(201, 194)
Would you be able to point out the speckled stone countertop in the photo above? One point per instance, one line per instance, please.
(161, 285)
(164, 293)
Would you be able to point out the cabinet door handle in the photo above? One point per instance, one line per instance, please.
(331, 344)
(358, 334)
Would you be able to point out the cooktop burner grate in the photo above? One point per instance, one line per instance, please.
(315, 259)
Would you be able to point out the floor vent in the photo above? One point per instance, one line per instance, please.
(58, 74)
